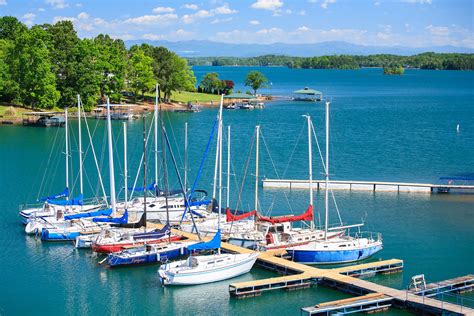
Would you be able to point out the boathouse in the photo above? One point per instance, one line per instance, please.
(307, 94)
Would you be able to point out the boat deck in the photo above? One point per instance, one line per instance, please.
(367, 303)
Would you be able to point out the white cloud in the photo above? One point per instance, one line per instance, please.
(162, 19)
(202, 14)
(377, 3)
(57, 4)
(83, 16)
(180, 34)
(267, 4)
(418, 1)
(223, 10)
(326, 3)
(163, 10)
(302, 12)
(438, 30)
(3, 2)
(269, 31)
(41, 10)
(63, 18)
(216, 21)
(190, 6)
(303, 28)
(152, 37)
(254, 22)
(28, 18)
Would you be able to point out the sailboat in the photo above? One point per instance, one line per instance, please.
(278, 231)
(113, 240)
(340, 249)
(202, 269)
(152, 253)
(53, 206)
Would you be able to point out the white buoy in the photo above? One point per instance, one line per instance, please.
(458, 128)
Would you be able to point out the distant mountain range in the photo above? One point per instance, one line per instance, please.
(198, 48)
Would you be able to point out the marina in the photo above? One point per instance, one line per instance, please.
(376, 283)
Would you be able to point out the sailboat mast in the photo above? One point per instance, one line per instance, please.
(165, 172)
(144, 169)
(310, 163)
(228, 168)
(185, 157)
(81, 186)
(156, 137)
(111, 161)
(66, 151)
(326, 195)
(257, 141)
(125, 167)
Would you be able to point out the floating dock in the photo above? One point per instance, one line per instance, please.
(300, 276)
(456, 285)
(374, 186)
(369, 303)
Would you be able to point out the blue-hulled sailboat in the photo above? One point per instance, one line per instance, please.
(340, 249)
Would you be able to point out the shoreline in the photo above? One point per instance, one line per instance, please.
(17, 120)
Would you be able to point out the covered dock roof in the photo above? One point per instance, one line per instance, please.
(239, 96)
(308, 91)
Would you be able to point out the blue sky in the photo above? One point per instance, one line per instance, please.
(412, 23)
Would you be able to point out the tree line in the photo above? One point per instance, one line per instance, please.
(48, 65)
(427, 60)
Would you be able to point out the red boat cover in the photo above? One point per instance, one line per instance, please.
(231, 217)
(306, 216)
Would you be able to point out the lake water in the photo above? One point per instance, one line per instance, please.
(393, 128)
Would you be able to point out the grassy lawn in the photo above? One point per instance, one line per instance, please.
(9, 112)
(186, 96)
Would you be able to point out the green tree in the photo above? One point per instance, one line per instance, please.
(64, 53)
(31, 69)
(112, 64)
(89, 75)
(140, 72)
(210, 82)
(8, 87)
(256, 80)
(11, 28)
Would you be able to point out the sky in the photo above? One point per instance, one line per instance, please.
(412, 23)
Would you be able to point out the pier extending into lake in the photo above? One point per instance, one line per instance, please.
(374, 186)
(300, 276)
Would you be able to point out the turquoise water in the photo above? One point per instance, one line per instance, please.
(382, 128)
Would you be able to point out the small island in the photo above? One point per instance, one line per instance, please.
(398, 70)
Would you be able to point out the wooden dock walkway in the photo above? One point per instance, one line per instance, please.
(374, 186)
(303, 276)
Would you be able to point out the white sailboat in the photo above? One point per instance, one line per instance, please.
(340, 249)
(279, 232)
(54, 210)
(202, 269)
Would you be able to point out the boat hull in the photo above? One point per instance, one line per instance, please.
(213, 275)
(116, 260)
(117, 247)
(333, 256)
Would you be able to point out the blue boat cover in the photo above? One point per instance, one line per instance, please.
(139, 189)
(118, 220)
(79, 200)
(154, 234)
(214, 243)
(199, 203)
(89, 214)
(64, 193)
